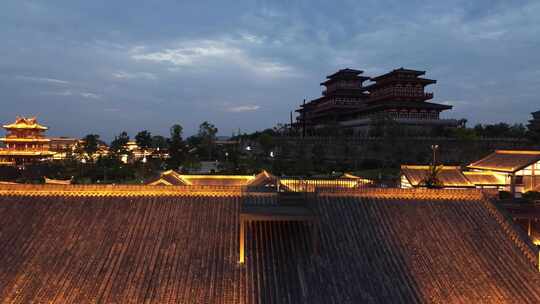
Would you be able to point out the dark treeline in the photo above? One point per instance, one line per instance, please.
(95, 162)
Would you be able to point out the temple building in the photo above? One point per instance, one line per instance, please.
(63, 147)
(450, 177)
(24, 142)
(517, 168)
(399, 95)
(515, 171)
(344, 92)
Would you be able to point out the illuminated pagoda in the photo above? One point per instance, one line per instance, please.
(399, 95)
(24, 142)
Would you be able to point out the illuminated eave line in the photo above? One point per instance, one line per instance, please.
(500, 170)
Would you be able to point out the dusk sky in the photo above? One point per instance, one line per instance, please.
(106, 66)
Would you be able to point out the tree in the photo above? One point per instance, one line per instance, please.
(207, 134)
(176, 146)
(431, 180)
(90, 145)
(159, 142)
(119, 144)
(144, 140)
(267, 143)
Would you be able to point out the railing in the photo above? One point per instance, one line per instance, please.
(116, 190)
(400, 93)
(322, 185)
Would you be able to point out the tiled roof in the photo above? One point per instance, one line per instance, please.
(10, 152)
(173, 178)
(507, 160)
(168, 178)
(484, 178)
(25, 123)
(373, 249)
(262, 179)
(218, 180)
(449, 176)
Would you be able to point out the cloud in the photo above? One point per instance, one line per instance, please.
(42, 79)
(59, 93)
(136, 75)
(87, 95)
(211, 53)
(242, 108)
(269, 55)
(90, 95)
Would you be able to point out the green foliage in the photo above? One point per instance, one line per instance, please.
(464, 134)
(531, 195)
(159, 142)
(176, 146)
(505, 195)
(144, 139)
(431, 180)
(207, 134)
(90, 145)
(110, 169)
(500, 130)
(119, 143)
(266, 141)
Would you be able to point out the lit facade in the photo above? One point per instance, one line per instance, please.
(25, 142)
(516, 171)
(519, 169)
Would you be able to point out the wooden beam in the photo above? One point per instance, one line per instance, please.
(513, 185)
(242, 238)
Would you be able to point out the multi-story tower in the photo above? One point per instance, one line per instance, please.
(24, 142)
(344, 92)
(399, 95)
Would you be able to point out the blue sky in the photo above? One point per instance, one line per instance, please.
(107, 66)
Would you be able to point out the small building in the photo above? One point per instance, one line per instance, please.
(25, 143)
(324, 183)
(414, 176)
(517, 169)
(63, 146)
(173, 178)
(168, 178)
(450, 177)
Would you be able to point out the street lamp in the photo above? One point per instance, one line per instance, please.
(434, 148)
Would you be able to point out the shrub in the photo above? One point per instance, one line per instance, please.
(505, 195)
(531, 195)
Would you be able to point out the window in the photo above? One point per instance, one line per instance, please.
(519, 180)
